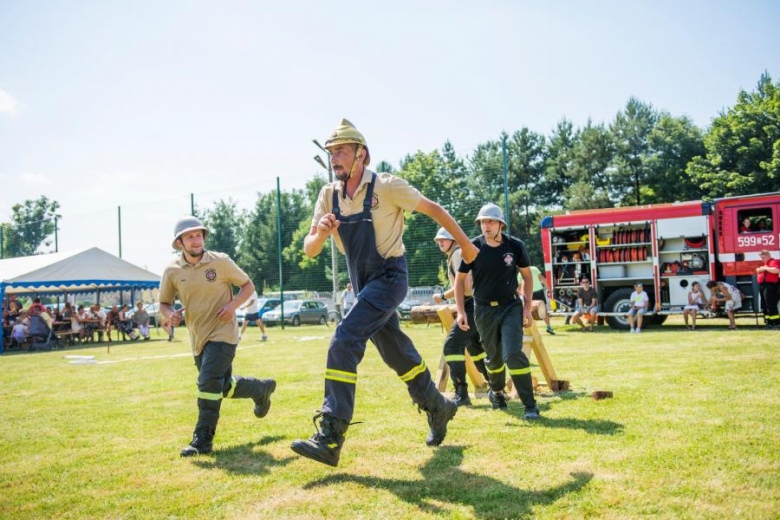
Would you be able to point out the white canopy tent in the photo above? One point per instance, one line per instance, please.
(72, 272)
(77, 271)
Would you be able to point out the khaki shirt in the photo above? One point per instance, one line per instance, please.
(453, 262)
(392, 196)
(204, 288)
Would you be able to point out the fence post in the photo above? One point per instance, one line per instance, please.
(119, 223)
(279, 245)
(192, 204)
(506, 186)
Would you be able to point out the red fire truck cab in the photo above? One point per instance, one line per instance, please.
(665, 246)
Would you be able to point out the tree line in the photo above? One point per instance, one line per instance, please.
(644, 155)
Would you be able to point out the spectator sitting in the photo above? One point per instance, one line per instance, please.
(76, 322)
(18, 334)
(39, 327)
(639, 302)
(696, 302)
(141, 319)
(99, 314)
(729, 296)
(744, 226)
(67, 311)
(587, 304)
(112, 320)
(125, 325)
(46, 316)
(37, 305)
(565, 271)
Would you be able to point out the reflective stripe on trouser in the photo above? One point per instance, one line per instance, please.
(458, 341)
(348, 346)
(770, 294)
(216, 381)
(501, 330)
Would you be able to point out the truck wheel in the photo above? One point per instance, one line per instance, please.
(618, 301)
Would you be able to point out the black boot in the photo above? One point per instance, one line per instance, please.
(263, 397)
(461, 397)
(325, 445)
(201, 443)
(440, 411)
(497, 399)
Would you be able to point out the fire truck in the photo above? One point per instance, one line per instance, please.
(667, 247)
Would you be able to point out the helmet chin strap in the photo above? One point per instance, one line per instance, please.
(355, 161)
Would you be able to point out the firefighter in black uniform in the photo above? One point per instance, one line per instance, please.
(204, 281)
(499, 312)
(459, 340)
(363, 211)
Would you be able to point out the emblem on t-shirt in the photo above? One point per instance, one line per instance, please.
(211, 275)
(374, 201)
(508, 259)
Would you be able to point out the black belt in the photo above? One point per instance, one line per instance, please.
(497, 303)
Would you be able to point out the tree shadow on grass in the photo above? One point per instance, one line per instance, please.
(444, 481)
(244, 459)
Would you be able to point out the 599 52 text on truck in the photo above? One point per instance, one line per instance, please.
(667, 247)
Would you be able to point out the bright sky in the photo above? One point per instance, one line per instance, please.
(140, 103)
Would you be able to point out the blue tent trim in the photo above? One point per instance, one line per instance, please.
(72, 283)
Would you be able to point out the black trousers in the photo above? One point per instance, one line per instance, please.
(770, 293)
(217, 381)
(458, 341)
(501, 330)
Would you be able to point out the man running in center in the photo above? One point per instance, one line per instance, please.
(363, 211)
(498, 311)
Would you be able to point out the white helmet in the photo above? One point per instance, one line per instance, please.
(443, 234)
(491, 212)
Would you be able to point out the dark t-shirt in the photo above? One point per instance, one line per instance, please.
(588, 297)
(494, 272)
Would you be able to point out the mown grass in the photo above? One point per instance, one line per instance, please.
(692, 432)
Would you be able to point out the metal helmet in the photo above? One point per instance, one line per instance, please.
(185, 225)
(491, 212)
(346, 133)
(443, 234)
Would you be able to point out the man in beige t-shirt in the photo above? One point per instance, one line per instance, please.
(204, 281)
(364, 212)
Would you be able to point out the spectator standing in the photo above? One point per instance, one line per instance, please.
(730, 297)
(253, 314)
(346, 299)
(540, 293)
(639, 302)
(696, 302)
(769, 282)
(587, 304)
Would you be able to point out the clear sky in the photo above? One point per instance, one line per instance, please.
(140, 103)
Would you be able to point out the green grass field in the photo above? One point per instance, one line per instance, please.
(693, 431)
